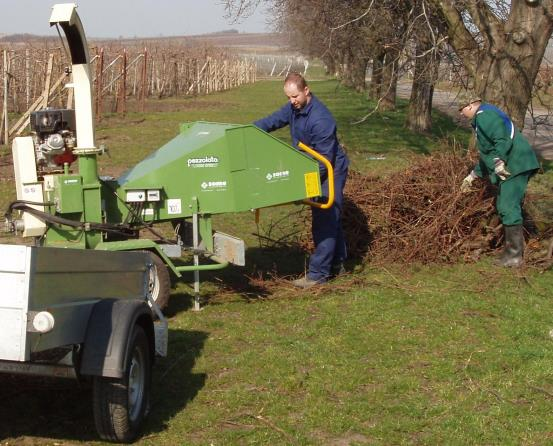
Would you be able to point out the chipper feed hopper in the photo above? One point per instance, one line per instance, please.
(81, 301)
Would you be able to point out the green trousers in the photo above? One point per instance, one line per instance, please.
(510, 197)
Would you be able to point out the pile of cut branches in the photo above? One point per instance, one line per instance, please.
(417, 215)
(420, 214)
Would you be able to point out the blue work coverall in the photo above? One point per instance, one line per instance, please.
(315, 126)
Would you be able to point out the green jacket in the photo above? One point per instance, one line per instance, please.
(497, 137)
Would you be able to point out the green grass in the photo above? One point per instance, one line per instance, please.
(428, 355)
(389, 354)
(456, 355)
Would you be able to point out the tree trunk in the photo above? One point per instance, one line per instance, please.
(348, 74)
(354, 70)
(375, 87)
(389, 80)
(506, 80)
(330, 64)
(358, 69)
(419, 114)
(345, 72)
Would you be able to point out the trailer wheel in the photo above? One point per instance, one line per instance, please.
(159, 283)
(120, 405)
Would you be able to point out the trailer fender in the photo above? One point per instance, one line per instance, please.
(108, 335)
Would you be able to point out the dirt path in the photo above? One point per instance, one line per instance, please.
(541, 137)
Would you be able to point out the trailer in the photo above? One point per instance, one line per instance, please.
(82, 314)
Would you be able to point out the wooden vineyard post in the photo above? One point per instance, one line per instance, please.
(134, 81)
(175, 78)
(99, 84)
(152, 81)
(46, 94)
(143, 80)
(5, 101)
(189, 77)
(198, 74)
(13, 79)
(121, 106)
(213, 74)
(27, 78)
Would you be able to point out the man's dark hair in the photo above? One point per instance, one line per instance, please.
(297, 79)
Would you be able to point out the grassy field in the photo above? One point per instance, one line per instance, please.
(388, 354)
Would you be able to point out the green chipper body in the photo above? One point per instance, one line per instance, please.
(207, 169)
(213, 168)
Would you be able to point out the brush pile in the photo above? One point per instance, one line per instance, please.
(420, 214)
(417, 215)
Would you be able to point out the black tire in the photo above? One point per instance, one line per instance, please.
(120, 405)
(160, 282)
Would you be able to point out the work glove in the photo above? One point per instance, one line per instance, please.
(466, 185)
(500, 169)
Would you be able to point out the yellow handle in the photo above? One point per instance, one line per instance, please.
(330, 170)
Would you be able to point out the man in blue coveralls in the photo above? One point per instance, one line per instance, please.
(312, 124)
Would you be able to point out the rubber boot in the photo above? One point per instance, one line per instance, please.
(514, 247)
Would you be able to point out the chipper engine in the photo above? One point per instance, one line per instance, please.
(82, 300)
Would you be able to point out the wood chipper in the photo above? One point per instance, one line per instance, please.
(83, 299)
(209, 168)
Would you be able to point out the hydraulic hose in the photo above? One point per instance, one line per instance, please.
(45, 216)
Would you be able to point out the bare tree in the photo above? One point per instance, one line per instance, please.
(349, 35)
(501, 44)
(236, 9)
(336, 32)
(425, 60)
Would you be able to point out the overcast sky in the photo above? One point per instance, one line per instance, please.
(129, 18)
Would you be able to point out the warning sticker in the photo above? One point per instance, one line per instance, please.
(174, 206)
(312, 184)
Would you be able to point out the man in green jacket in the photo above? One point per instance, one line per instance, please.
(506, 159)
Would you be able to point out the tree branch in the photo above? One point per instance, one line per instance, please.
(354, 20)
(488, 24)
(459, 37)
